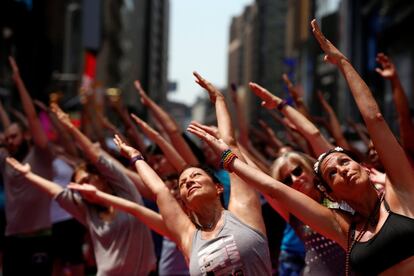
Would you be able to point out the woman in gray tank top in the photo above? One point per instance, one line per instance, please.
(215, 241)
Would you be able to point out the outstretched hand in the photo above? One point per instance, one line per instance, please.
(388, 70)
(17, 166)
(269, 100)
(145, 100)
(62, 116)
(149, 131)
(124, 148)
(212, 130)
(88, 191)
(213, 92)
(14, 67)
(217, 145)
(292, 90)
(332, 54)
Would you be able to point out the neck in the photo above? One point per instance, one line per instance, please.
(207, 215)
(368, 207)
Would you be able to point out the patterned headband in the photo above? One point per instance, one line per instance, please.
(316, 166)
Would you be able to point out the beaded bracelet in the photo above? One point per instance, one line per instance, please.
(227, 158)
(135, 159)
(282, 104)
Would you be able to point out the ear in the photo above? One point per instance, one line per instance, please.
(219, 188)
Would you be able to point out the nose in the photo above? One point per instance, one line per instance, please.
(342, 169)
(189, 183)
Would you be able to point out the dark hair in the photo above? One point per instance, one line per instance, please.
(212, 174)
(86, 167)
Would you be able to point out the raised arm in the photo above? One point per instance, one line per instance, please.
(310, 212)
(241, 118)
(169, 151)
(391, 154)
(147, 216)
(388, 71)
(64, 138)
(334, 124)
(297, 98)
(36, 130)
(170, 126)
(271, 135)
(50, 188)
(176, 221)
(106, 124)
(303, 125)
(4, 117)
(132, 132)
(91, 150)
(242, 195)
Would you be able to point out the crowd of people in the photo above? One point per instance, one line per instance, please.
(74, 202)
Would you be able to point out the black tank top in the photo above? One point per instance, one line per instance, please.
(391, 245)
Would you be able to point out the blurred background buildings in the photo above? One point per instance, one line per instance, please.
(62, 45)
(272, 37)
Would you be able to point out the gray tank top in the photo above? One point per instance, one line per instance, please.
(237, 249)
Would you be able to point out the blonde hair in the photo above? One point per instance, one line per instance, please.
(301, 159)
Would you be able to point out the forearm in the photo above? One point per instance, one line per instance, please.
(174, 132)
(167, 122)
(4, 117)
(308, 130)
(65, 138)
(150, 178)
(49, 187)
(224, 123)
(404, 116)
(92, 151)
(150, 218)
(242, 123)
(301, 107)
(337, 131)
(36, 130)
(303, 207)
(170, 153)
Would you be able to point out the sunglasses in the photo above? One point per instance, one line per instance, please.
(296, 172)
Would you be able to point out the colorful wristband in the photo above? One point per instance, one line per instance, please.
(135, 159)
(227, 158)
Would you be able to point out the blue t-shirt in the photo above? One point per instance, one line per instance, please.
(291, 242)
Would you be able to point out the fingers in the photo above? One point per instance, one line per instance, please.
(317, 31)
(138, 86)
(379, 71)
(136, 119)
(13, 64)
(13, 162)
(198, 132)
(197, 75)
(118, 142)
(207, 129)
(74, 186)
(257, 89)
(287, 80)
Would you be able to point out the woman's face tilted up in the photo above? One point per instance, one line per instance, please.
(347, 178)
(196, 186)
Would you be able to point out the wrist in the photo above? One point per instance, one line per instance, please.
(281, 105)
(134, 158)
(227, 159)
